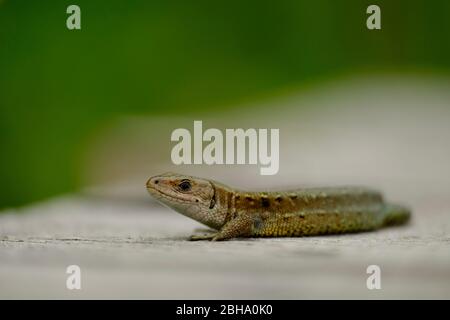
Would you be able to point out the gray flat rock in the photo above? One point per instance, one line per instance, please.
(128, 250)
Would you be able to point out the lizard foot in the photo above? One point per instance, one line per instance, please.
(204, 230)
(202, 237)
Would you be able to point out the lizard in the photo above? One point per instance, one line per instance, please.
(235, 213)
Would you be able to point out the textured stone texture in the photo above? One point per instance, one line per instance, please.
(139, 251)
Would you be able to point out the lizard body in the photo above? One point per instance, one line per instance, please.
(303, 212)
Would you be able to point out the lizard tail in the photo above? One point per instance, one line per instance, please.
(394, 215)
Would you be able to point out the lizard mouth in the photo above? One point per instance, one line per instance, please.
(162, 194)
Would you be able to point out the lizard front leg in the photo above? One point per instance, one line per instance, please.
(239, 226)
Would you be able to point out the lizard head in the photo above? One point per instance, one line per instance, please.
(191, 196)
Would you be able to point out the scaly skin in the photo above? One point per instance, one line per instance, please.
(304, 212)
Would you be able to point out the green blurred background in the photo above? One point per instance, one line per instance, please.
(58, 87)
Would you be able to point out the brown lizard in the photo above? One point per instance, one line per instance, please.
(303, 212)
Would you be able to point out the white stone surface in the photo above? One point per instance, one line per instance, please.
(128, 250)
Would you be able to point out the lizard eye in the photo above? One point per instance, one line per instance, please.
(185, 186)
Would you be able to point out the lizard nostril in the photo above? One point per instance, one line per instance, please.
(156, 181)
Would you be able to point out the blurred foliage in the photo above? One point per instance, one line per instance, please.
(150, 57)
